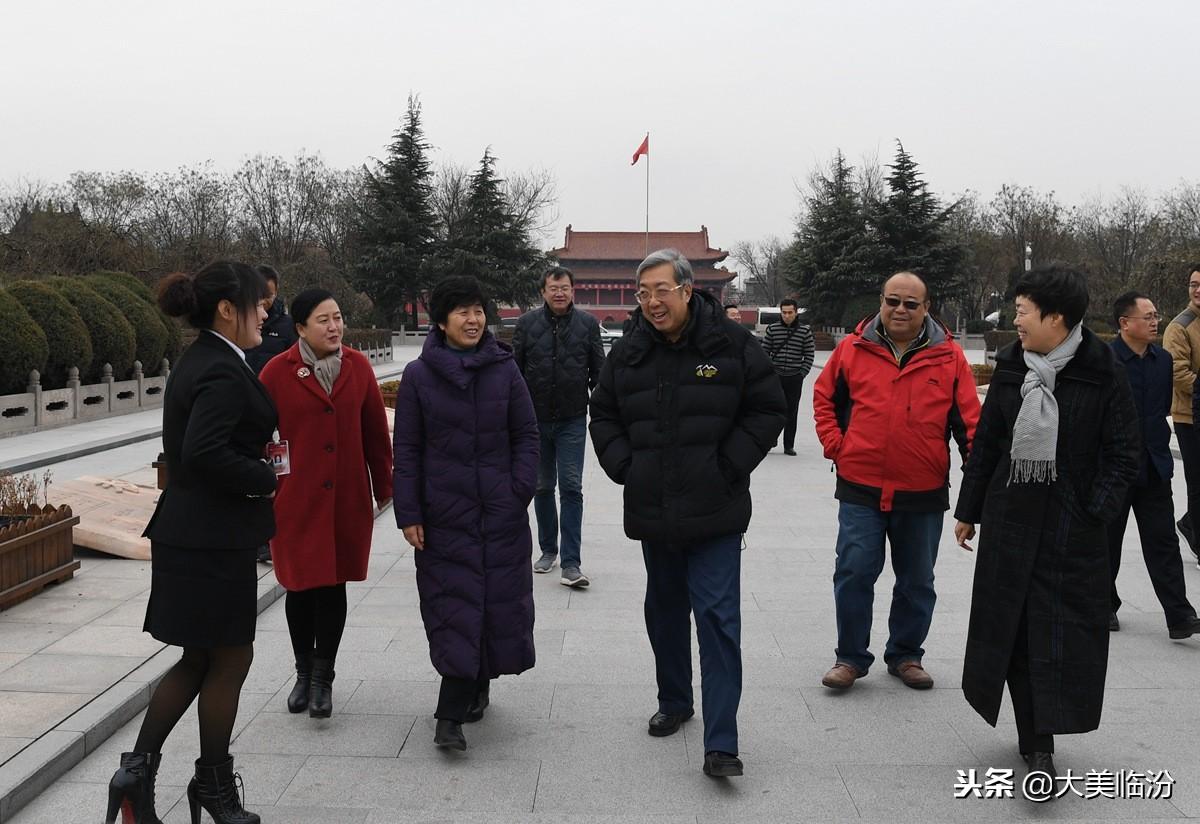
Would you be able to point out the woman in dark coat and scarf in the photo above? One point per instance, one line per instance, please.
(466, 455)
(1055, 451)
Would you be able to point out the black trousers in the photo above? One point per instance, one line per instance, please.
(1155, 513)
(1020, 690)
(793, 385)
(457, 694)
(1189, 450)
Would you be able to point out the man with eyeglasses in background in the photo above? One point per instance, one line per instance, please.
(559, 351)
(1149, 368)
(885, 406)
(687, 406)
(1182, 341)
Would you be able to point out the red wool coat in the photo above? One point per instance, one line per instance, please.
(341, 463)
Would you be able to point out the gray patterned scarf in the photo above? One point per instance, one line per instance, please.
(1035, 434)
(326, 369)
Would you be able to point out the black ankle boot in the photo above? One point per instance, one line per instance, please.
(215, 788)
(131, 790)
(320, 700)
(481, 702)
(449, 734)
(297, 701)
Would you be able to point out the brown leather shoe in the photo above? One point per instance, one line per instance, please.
(842, 676)
(912, 674)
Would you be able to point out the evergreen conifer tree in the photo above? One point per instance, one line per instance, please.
(396, 223)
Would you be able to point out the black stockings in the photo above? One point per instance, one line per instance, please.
(215, 675)
(316, 619)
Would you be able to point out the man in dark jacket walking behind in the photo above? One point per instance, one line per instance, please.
(559, 351)
(278, 331)
(789, 345)
(1150, 377)
(686, 408)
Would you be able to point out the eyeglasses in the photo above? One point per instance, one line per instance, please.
(1194, 287)
(559, 290)
(1150, 318)
(660, 294)
(910, 304)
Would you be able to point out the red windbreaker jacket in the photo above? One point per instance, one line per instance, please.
(887, 425)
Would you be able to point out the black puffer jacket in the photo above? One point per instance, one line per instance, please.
(560, 357)
(682, 425)
(278, 335)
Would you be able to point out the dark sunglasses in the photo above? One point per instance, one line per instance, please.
(910, 304)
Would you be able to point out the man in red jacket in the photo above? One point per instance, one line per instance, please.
(886, 405)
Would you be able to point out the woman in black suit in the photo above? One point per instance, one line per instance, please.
(214, 513)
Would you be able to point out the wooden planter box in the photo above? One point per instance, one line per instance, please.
(36, 549)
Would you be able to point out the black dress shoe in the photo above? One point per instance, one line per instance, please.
(662, 724)
(1186, 629)
(1040, 762)
(791, 452)
(1113, 624)
(449, 734)
(721, 764)
(481, 702)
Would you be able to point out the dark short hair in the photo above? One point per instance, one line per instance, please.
(731, 306)
(268, 272)
(1124, 303)
(195, 297)
(453, 292)
(556, 272)
(1195, 267)
(1056, 289)
(305, 303)
(789, 302)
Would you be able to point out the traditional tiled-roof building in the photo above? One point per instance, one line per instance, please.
(604, 264)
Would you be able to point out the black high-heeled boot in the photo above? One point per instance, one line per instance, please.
(320, 699)
(481, 702)
(215, 788)
(297, 700)
(131, 790)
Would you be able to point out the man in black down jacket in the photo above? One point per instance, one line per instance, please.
(559, 351)
(278, 331)
(687, 406)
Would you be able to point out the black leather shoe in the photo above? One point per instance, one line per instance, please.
(1187, 629)
(722, 764)
(1040, 762)
(791, 452)
(449, 734)
(662, 725)
(1114, 625)
(481, 702)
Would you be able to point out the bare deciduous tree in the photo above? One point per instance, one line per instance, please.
(761, 262)
(281, 201)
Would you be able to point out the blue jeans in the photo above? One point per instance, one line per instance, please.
(914, 540)
(701, 579)
(563, 444)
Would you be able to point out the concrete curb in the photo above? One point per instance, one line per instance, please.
(55, 752)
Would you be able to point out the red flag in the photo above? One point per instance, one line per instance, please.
(644, 149)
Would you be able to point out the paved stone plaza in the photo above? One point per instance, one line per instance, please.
(567, 742)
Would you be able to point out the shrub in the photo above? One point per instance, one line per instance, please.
(174, 333)
(857, 308)
(25, 347)
(62, 324)
(977, 326)
(150, 334)
(113, 338)
(367, 338)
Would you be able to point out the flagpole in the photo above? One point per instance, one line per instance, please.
(647, 197)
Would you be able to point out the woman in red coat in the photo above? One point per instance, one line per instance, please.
(334, 435)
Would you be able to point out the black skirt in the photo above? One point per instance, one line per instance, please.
(202, 597)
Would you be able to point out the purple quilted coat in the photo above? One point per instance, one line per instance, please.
(466, 455)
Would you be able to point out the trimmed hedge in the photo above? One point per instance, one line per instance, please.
(25, 346)
(113, 339)
(174, 333)
(61, 324)
(149, 331)
(367, 338)
(976, 326)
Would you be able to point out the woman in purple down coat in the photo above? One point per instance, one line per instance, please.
(466, 455)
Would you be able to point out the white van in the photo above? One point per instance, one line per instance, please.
(766, 316)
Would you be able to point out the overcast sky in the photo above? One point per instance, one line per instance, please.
(741, 99)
